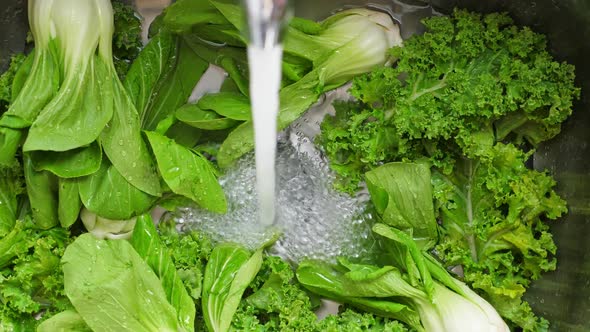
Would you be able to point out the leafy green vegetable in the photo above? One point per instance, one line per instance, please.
(190, 252)
(65, 321)
(402, 195)
(126, 37)
(42, 193)
(417, 286)
(193, 116)
(69, 164)
(31, 281)
(360, 51)
(107, 193)
(472, 96)
(123, 144)
(230, 105)
(11, 192)
(147, 243)
(84, 104)
(183, 71)
(493, 213)
(69, 203)
(350, 320)
(7, 79)
(44, 77)
(113, 289)
(150, 66)
(187, 173)
(360, 35)
(229, 271)
(279, 303)
(469, 81)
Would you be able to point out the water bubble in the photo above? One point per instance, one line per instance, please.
(314, 219)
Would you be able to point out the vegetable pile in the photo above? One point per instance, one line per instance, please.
(471, 97)
(96, 130)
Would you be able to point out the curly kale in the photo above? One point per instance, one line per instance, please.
(126, 38)
(474, 95)
(31, 280)
(468, 81)
(493, 212)
(277, 302)
(7, 78)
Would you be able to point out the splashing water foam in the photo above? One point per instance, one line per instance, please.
(314, 220)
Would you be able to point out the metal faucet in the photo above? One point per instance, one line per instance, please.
(266, 21)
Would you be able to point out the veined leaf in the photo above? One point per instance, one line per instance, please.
(42, 65)
(123, 144)
(194, 116)
(65, 321)
(230, 105)
(187, 173)
(109, 195)
(11, 187)
(174, 88)
(148, 245)
(229, 271)
(150, 66)
(402, 195)
(113, 289)
(69, 203)
(41, 189)
(78, 113)
(69, 164)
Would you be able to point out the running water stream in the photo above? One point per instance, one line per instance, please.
(265, 80)
(264, 59)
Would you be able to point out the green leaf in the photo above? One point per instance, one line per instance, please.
(364, 286)
(229, 271)
(69, 164)
(295, 100)
(21, 75)
(194, 116)
(122, 142)
(187, 173)
(174, 88)
(184, 15)
(236, 74)
(148, 245)
(232, 12)
(408, 256)
(113, 289)
(41, 189)
(11, 188)
(402, 195)
(230, 105)
(78, 113)
(109, 195)
(65, 321)
(183, 134)
(10, 140)
(69, 202)
(12, 244)
(233, 60)
(150, 66)
(41, 80)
